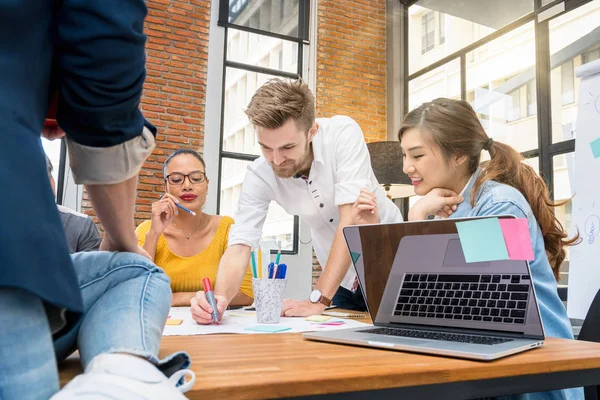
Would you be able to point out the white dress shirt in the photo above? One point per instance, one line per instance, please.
(340, 169)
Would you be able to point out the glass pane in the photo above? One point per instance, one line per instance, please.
(279, 225)
(52, 150)
(277, 16)
(533, 162)
(438, 28)
(574, 41)
(563, 178)
(238, 132)
(262, 51)
(443, 81)
(501, 87)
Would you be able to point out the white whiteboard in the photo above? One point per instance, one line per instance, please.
(584, 270)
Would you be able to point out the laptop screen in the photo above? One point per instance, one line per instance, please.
(416, 273)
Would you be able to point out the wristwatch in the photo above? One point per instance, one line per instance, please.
(317, 297)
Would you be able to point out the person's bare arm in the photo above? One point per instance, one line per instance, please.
(114, 206)
(232, 269)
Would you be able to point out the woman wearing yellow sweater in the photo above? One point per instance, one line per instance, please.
(188, 247)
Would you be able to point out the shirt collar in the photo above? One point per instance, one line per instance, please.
(317, 146)
(464, 207)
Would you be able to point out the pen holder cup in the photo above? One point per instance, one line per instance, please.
(268, 297)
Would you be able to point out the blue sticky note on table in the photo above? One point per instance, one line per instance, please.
(595, 145)
(267, 328)
(482, 240)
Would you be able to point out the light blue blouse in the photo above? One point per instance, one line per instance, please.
(499, 199)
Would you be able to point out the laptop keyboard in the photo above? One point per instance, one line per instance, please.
(450, 337)
(484, 298)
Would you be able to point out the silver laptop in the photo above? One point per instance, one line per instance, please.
(424, 297)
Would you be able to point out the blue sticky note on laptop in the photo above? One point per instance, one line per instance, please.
(482, 240)
(268, 328)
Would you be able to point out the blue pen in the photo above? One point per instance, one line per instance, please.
(210, 296)
(185, 209)
(270, 272)
(281, 271)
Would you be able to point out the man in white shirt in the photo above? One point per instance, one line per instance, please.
(314, 169)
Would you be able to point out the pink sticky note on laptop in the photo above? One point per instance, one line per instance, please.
(517, 239)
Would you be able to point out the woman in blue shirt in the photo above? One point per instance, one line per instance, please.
(442, 141)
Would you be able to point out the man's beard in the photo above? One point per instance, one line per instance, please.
(294, 167)
(286, 171)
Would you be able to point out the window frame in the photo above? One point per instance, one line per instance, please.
(301, 40)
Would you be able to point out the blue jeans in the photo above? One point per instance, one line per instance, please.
(126, 302)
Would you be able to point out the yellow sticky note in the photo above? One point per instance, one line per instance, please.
(174, 321)
(318, 318)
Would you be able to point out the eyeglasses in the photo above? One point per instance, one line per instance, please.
(196, 178)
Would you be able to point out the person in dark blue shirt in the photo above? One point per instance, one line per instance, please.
(92, 53)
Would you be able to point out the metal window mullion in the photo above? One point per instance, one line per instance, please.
(259, 70)
(543, 101)
(62, 167)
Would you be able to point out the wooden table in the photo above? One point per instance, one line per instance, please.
(285, 365)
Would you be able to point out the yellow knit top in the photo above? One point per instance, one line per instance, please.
(186, 273)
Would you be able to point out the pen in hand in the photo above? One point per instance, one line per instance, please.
(210, 296)
(185, 209)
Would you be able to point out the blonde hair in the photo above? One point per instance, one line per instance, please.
(454, 127)
(278, 100)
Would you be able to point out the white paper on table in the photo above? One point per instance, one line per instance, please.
(236, 321)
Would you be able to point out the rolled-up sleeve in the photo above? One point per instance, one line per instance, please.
(252, 210)
(353, 164)
(100, 59)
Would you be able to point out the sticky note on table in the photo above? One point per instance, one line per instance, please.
(267, 328)
(482, 240)
(517, 239)
(174, 321)
(595, 145)
(318, 318)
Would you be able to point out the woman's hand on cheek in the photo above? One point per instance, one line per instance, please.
(440, 202)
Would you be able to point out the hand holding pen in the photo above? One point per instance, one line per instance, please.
(205, 313)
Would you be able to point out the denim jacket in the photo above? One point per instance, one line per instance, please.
(496, 198)
(499, 199)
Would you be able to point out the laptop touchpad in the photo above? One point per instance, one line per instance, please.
(388, 339)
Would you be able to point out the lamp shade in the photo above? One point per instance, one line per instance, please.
(386, 161)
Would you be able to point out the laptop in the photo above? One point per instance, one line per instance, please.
(424, 297)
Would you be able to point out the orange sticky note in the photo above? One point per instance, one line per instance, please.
(174, 321)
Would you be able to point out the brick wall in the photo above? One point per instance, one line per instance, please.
(351, 63)
(351, 67)
(174, 92)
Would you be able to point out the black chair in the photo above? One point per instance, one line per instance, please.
(590, 331)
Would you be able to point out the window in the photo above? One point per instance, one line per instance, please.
(497, 50)
(506, 101)
(563, 178)
(570, 37)
(531, 98)
(280, 59)
(514, 107)
(567, 83)
(272, 52)
(427, 32)
(458, 24)
(590, 56)
(443, 81)
(53, 151)
(442, 27)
